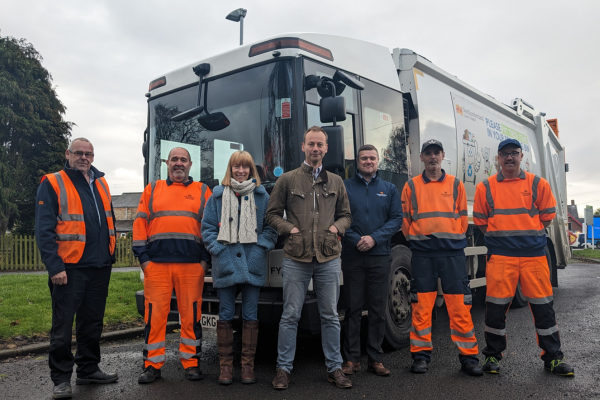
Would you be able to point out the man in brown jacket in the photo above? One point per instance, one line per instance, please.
(317, 211)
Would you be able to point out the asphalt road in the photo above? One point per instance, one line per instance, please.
(577, 305)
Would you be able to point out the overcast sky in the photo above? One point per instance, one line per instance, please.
(103, 53)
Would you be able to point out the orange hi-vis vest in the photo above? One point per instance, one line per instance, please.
(514, 211)
(70, 227)
(168, 224)
(435, 214)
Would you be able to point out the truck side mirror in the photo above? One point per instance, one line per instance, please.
(334, 159)
(331, 108)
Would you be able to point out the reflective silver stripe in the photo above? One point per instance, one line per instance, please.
(154, 346)
(464, 213)
(139, 243)
(422, 332)
(469, 334)
(187, 356)
(455, 192)
(190, 342)
(465, 345)
(406, 215)
(439, 214)
(531, 232)
(446, 235)
(168, 213)
(468, 298)
(550, 210)
(541, 300)
(202, 200)
(479, 215)
(420, 343)
(516, 211)
(175, 235)
(141, 214)
(150, 210)
(499, 332)
(418, 237)
(534, 191)
(413, 200)
(108, 214)
(488, 194)
(70, 237)
(547, 332)
(155, 359)
(64, 202)
(111, 232)
(498, 300)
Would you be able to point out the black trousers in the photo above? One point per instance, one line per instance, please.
(84, 295)
(365, 285)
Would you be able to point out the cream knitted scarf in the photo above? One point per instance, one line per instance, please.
(244, 230)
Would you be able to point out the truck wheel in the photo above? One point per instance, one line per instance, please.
(598, 244)
(398, 314)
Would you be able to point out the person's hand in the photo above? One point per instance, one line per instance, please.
(333, 229)
(294, 230)
(365, 243)
(144, 265)
(59, 279)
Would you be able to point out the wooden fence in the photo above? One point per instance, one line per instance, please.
(19, 253)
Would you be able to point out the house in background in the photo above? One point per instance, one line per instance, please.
(575, 223)
(125, 207)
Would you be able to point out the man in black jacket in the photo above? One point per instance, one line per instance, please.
(366, 258)
(75, 233)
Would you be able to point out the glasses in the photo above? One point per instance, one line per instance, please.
(513, 154)
(80, 154)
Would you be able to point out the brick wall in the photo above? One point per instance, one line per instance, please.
(124, 213)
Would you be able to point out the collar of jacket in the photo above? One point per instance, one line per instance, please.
(189, 182)
(74, 173)
(501, 177)
(309, 170)
(427, 180)
(362, 180)
(218, 191)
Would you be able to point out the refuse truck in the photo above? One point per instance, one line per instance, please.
(261, 97)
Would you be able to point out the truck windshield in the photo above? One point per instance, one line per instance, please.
(256, 101)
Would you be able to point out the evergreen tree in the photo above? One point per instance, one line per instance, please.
(33, 132)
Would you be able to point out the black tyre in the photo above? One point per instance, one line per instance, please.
(598, 244)
(398, 314)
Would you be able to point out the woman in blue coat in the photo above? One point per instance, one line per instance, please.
(238, 238)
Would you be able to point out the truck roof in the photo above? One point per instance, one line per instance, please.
(352, 55)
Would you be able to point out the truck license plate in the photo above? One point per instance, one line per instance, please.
(209, 321)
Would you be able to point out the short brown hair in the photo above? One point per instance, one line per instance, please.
(367, 147)
(315, 128)
(242, 158)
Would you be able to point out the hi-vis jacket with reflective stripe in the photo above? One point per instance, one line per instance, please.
(435, 216)
(74, 222)
(168, 223)
(514, 210)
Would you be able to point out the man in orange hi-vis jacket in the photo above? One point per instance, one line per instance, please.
(168, 243)
(434, 205)
(512, 209)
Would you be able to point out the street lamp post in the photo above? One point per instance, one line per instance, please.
(238, 16)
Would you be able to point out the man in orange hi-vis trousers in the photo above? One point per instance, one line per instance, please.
(434, 205)
(512, 209)
(168, 243)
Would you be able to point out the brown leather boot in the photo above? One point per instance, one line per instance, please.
(249, 339)
(225, 344)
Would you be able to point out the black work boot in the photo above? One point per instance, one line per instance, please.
(62, 391)
(193, 374)
(419, 366)
(558, 367)
(472, 368)
(149, 375)
(491, 365)
(97, 377)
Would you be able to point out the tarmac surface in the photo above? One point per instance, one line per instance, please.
(577, 305)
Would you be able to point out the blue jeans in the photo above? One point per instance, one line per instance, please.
(326, 283)
(249, 302)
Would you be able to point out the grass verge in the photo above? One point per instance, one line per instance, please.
(26, 308)
(587, 253)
